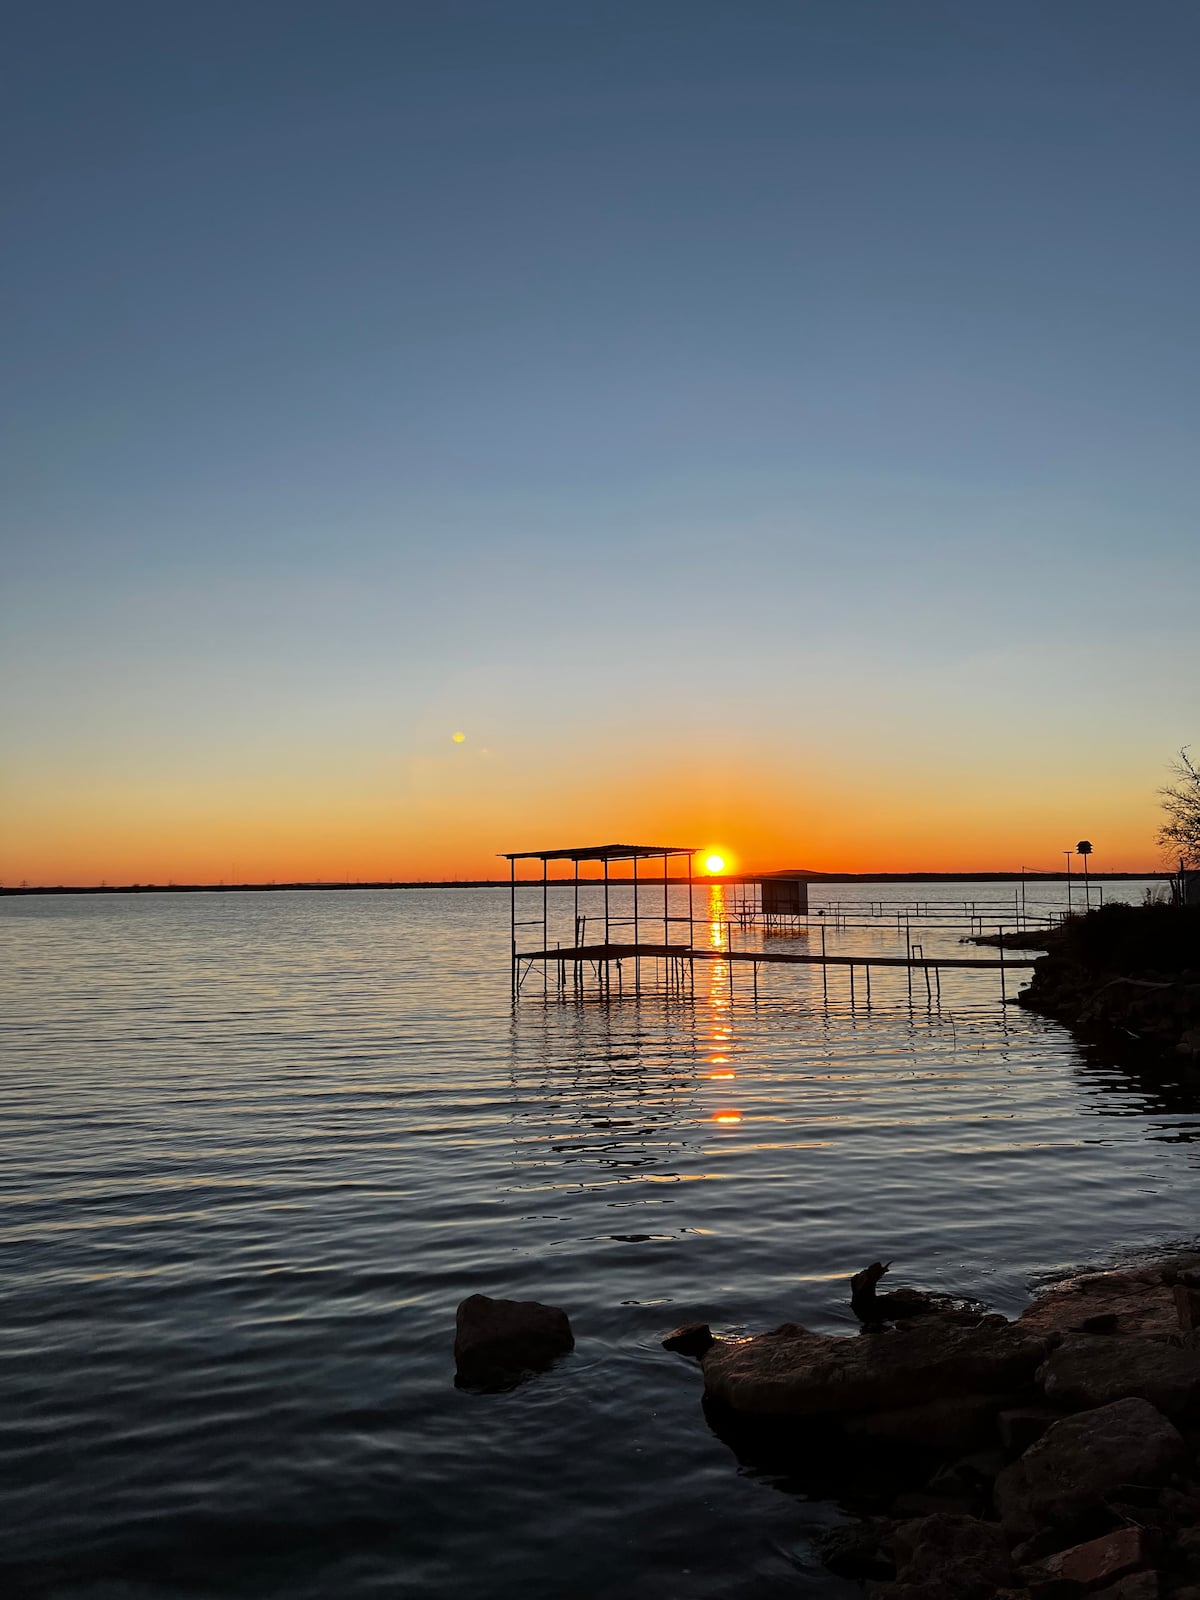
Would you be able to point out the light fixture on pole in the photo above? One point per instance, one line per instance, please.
(1084, 849)
(1068, 854)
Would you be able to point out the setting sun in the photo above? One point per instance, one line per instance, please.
(714, 863)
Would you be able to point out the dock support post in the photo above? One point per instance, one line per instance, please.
(512, 921)
(637, 960)
(545, 931)
(824, 967)
(607, 961)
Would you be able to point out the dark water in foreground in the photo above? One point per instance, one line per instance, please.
(256, 1148)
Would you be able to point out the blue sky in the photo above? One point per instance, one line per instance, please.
(378, 367)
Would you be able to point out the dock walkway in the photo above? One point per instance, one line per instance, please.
(627, 952)
(680, 959)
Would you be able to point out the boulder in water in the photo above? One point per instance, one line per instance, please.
(495, 1341)
(692, 1339)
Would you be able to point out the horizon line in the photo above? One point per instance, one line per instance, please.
(991, 875)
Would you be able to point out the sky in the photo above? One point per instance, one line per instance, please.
(757, 425)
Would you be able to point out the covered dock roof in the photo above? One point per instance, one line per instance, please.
(602, 852)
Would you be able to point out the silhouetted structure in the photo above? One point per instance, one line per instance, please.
(778, 903)
(670, 954)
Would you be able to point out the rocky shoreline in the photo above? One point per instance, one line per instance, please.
(1053, 1456)
(1132, 971)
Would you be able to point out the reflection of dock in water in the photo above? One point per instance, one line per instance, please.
(669, 960)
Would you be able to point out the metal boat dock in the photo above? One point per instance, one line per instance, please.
(671, 950)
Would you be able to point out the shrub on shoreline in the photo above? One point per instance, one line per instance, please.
(1134, 940)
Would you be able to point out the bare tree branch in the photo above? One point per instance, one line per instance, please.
(1180, 832)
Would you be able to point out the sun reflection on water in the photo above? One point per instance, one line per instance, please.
(720, 1015)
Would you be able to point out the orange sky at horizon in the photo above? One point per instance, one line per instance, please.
(450, 813)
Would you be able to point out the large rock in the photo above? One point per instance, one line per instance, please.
(1081, 1462)
(792, 1372)
(1138, 1302)
(497, 1340)
(1089, 1370)
(965, 1555)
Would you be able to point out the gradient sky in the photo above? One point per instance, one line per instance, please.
(765, 424)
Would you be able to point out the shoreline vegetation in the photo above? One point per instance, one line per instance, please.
(1128, 971)
(1030, 879)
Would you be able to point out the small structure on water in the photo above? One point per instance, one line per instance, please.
(655, 930)
(777, 902)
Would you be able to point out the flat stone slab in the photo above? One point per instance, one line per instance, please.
(1139, 1301)
(793, 1372)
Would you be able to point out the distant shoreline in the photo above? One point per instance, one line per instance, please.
(536, 883)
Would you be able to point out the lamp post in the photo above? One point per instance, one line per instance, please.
(1084, 849)
(1068, 854)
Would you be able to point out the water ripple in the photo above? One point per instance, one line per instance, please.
(257, 1147)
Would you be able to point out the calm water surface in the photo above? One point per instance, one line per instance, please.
(257, 1147)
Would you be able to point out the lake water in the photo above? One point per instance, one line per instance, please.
(256, 1147)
